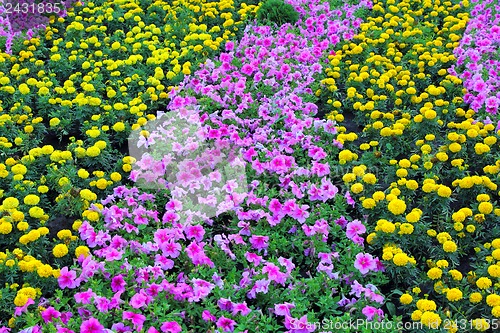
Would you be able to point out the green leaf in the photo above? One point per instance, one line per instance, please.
(391, 308)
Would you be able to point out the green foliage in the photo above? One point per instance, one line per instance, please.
(277, 11)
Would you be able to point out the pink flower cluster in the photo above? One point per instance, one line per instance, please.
(477, 61)
(282, 235)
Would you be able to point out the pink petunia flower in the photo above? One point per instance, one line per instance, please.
(364, 263)
(194, 231)
(283, 309)
(136, 319)
(355, 228)
(226, 324)
(370, 312)
(92, 325)
(67, 279)
(171, 327)
(259, 242)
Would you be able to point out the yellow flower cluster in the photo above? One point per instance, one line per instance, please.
(435, 190)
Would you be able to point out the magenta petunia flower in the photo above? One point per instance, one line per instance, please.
(207, 316)
(364, 263)
(274, 274)
(49, 314)
(226, 324)
(92, 325)
(67, 279)
(259, 242)
(370, 312)
(283, 309)
(355, 228)
(301, 325)
(136, 319)
(140, 300)
(194, 231)
(171, 327)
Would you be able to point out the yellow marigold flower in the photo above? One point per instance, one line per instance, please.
(20, 299)
(434, 273)
(397, 206)
(388, 227)
(119, 126)
(36, 212)
(475, 298)
(442, 263)
(43, 230)
(401, 173)
(24, 89)
(426, 305)
(370, 178)
(371, 237)
(364, 146)
(76, 225)
(490, 140)
(92, 216)
(485, 207)
(82, 173)
(65, 233)
(480, 324)
(430, 319)
(387, 255)
(44, 271)
(400, 259)
(60, 250)
(454, 147)
(378, 196)
(5, 227)
(483, 197)
(483, 283)
(455, 274)
(411, 184)
(369, 203)
(444, 191)
(93, 151)
(31, 199)
(101, 144)
(63, 181)
(88, 195)
(412, 217)
(406, 229)
(458, 226)
(101, 184)
(82, 250)
(10, 203)
(115, 176)
(458, 216)
(449, 246)
(494, 271)
(416, 315)
(22, 226)
(493, 300)
(346, 155)
(349, 177)
(357, 188)
(54, 122)
(454, 294)
(406, 299)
